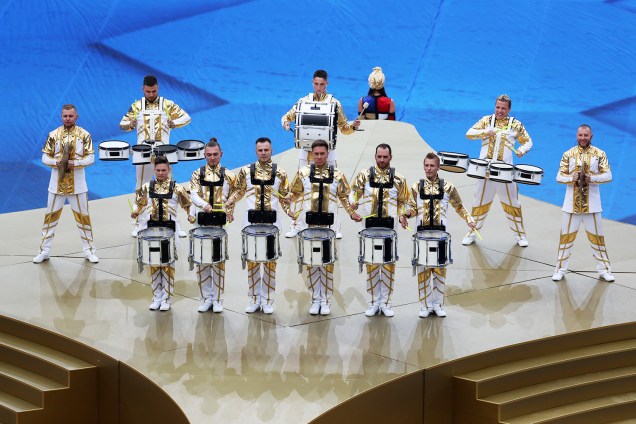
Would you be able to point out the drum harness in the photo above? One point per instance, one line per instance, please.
(261, 216)
(161, 197)
(495, 153)
(380, 221)
(211, 218)
(431, 207)
(320, 217)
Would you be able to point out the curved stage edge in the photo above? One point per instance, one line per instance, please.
(290, 366)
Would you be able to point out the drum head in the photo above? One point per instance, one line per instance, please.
(166, 149)
(500, 166)
(207, 232)
(156, 233)
(452, 168)
(432, 235)
(377, 233)
(525, 168)
(191, 145)
(113, 145)
(143, 148)
(259, 229)
(317, 234)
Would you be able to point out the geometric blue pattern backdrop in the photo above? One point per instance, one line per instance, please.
(237, 66)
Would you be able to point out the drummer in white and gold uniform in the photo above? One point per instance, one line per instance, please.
(320, 278)
(67, 150)
(261, 277)
(319, 94)
(211, 194)
(583, 168)
(498, 133)
(153, 116)
(368, 195)
(432, 281)
(160, 198)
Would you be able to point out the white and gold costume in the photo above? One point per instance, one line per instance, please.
(69, 185)
(583, 204)
(432, 281)
(261, 280)
(320, 278)
(498, 147)
(162, 277)
(152, 126)
(394, 200)
(211, 278)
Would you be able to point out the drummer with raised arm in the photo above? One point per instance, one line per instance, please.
(159, 198)
(382, 195)
(428, 202)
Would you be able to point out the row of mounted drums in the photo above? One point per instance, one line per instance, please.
(493, 170)
(116, 150)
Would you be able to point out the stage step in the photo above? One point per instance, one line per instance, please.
(545, 382)
(42, 385)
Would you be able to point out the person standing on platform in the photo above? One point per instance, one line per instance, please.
(498, 133)
(318, 187)
(160, 199)
(583, 168)
(211, 186)
(383, 194)
(319, 94)
(264, 184)
(379, 106)
(68, 150)
(153, 116)
(429, 203)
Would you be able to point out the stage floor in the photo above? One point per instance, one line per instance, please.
(290, 366)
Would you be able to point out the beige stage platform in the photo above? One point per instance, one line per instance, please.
(290, 367)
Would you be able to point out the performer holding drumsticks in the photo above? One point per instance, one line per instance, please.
(265, 185)
(319, 94)
(498, 133)
(429, 203)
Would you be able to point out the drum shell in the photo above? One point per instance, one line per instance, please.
(114, 150)
(528, 174)
(317, 247)
(315, 121)
(208, 245)
(431, 249)
(156, 246)
(169, 151)
(141, 154)
(453, 162)
(501, 172)
(378, 246)
(260, 243)
(477, 168)
(190, 150)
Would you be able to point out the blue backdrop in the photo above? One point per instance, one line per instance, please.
(237, 66)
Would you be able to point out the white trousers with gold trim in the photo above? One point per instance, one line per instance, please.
(508, 196)
(162, 282)
(211, 280)
(593, 225)
(380, 283)
(431, 284)
(320, 283)
(261, 281)
(79, 205)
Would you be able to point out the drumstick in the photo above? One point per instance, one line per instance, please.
(409, 228)
(277, 193)
(130, 204)
(368, 216)
(512, 148)
(477, 232)
(365, 105)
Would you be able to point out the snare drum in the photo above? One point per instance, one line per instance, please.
(377, 246)
(208, 245)
(260, 243)
(477, 168)
(141, 154)
(114, 150)
(156, 247)
(453, 162)
(431, 249)
(316, 247)
(190, 150)
(315, 121)
(528, 174)
(501, 172)
(169, 151)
